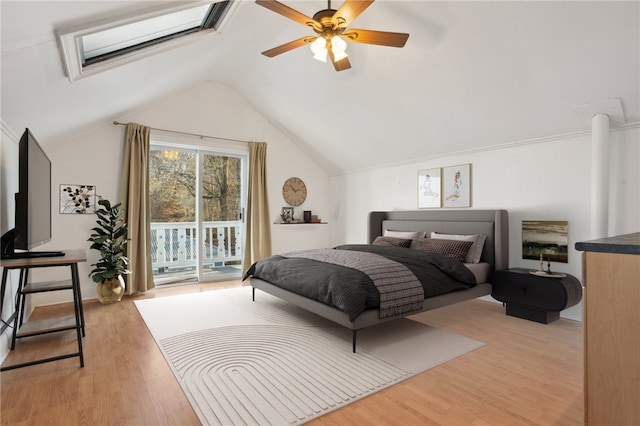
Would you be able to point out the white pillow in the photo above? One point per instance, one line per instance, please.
(409, 235)
(475, 252)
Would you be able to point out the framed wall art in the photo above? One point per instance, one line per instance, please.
(429, 188)
(77, 199)
(546, 240)
(456, 186)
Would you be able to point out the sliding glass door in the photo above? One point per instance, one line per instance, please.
(197, 202)
(220, 215)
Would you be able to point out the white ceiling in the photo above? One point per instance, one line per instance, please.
(472, 74)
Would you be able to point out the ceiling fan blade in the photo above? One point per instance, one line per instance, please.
(290, 13)
(342, 64)
(349, 11)
(288, 46)
(382, 38)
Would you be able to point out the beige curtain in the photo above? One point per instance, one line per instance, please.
(134, 195)
(258, 242)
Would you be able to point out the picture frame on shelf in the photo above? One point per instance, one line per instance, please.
(287, 215)
(456, 186)
(430, 188)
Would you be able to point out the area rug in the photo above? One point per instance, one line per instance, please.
(269, 362)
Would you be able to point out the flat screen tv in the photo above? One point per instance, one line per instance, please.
(33, 203)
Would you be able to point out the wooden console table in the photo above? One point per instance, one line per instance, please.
(26, 329)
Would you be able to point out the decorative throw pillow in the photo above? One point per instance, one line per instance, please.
(453, 249)
(476, 250)
(391, 241)
(403, 234)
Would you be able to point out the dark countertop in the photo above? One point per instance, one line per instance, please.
(623, 244)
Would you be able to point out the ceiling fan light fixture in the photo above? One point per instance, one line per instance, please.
(331, 27)
(319, 49)
(338, 47)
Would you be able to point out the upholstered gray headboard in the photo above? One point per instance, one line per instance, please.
(493, 223)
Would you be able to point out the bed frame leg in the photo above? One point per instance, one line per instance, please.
(353, 338)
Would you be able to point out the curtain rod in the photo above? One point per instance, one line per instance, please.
(117, 123)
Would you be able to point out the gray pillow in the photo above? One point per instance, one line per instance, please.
(452, 249)
(391, 241)
(403, 234)
(476, 250)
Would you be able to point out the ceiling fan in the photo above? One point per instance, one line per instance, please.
(331, 27)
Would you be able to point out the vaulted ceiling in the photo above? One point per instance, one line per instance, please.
(472, 74)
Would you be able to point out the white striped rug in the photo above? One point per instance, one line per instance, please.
(268, 362)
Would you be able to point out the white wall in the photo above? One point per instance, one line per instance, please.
(547, 179)
(213, 109)
(217, 110)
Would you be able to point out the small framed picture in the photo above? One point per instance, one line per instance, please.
(429, 188)
(77, 199)
(456, 186)
(545, 240)
(287, 214)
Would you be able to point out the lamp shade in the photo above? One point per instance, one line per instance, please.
(338, 47)
(319, 49)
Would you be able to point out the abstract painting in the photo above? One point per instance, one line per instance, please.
(77, 199)
(546, 239)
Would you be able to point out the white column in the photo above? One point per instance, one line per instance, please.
(600, 176)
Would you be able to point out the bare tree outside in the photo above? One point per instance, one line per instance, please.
(172, 187)
(221, 188)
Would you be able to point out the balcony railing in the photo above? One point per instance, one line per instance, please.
(174, 245)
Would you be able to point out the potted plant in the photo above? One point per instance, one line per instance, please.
(109, 238)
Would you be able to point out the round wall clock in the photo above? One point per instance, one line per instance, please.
(294, 191)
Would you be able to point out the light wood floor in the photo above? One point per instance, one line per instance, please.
(526, 374)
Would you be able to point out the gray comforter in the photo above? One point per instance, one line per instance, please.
(351, 290)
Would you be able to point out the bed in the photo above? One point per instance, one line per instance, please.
(439, 224)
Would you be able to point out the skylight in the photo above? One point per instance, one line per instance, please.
(99, 47)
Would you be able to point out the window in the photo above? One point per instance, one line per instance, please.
(100, 47)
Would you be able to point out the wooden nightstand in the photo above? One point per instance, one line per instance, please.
(533, 297)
